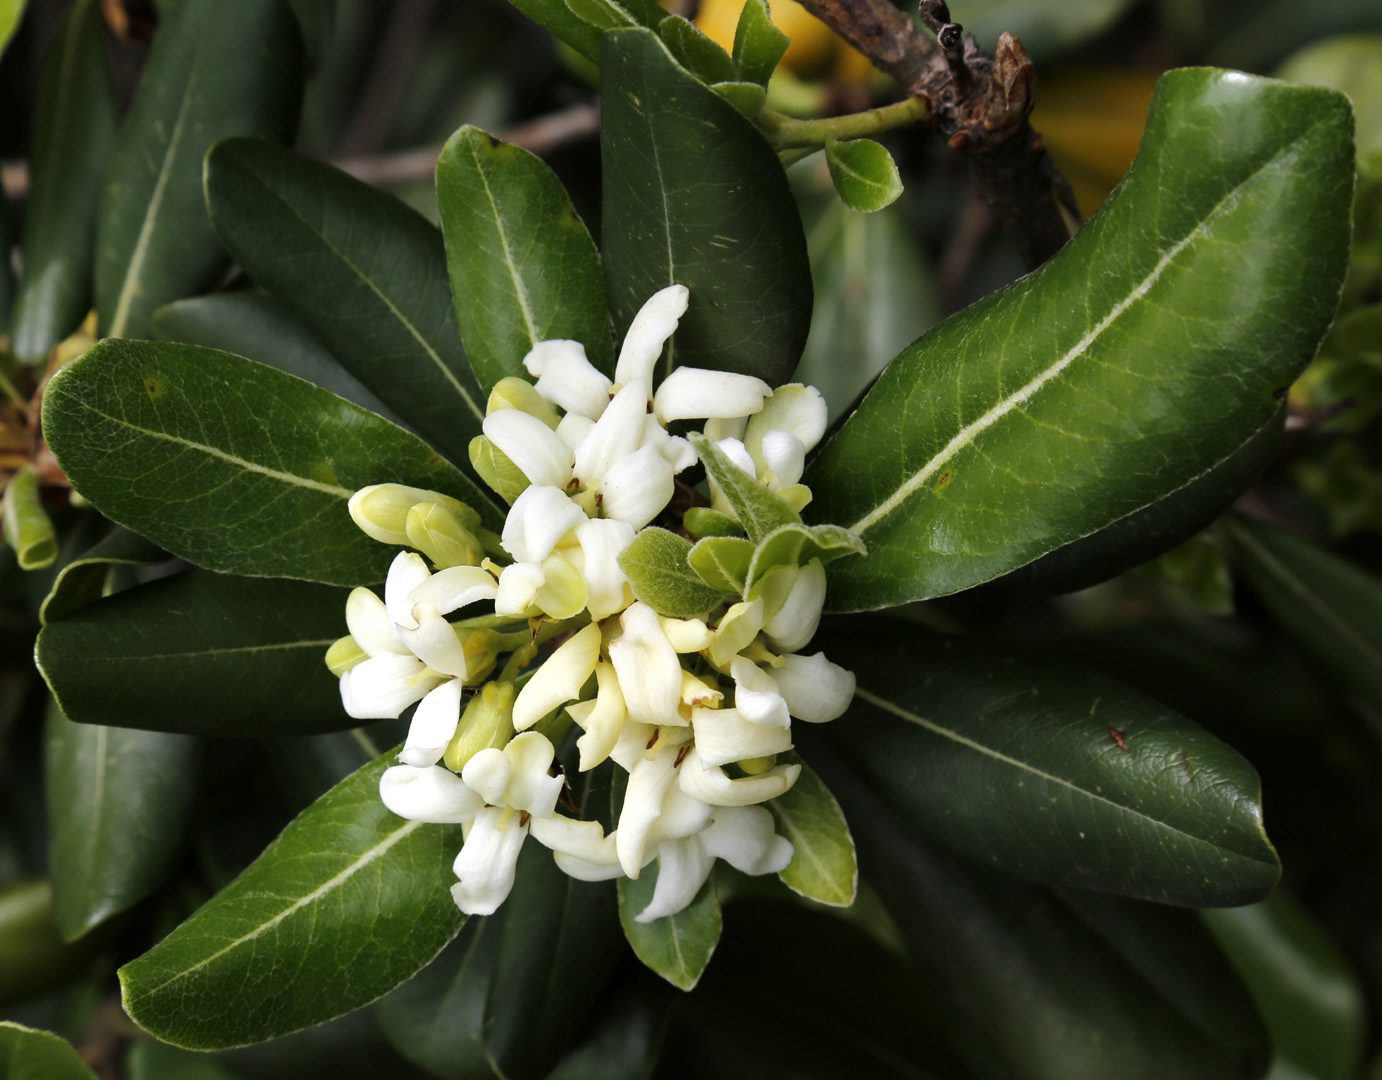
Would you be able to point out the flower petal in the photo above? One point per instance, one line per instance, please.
(434, 795)
(616, 435)
(517, 589)
(383, 686)
(638, 487)
(531, 787)
(559, 679)
(648, 784)
(697, 393)
(651, 327)
(602, 541)
(603, 721)
(433, 725)
(794, 408)
(487, 861)
(368, 621)
(406, 573)
(815, 689)
(567, 378)
(682, 868)
(722, 736)
(647, 666)
(756, 695)
(782, 458)
(744, 837)
(536, 449)
(435, 643)
(793, 598)
(488, 772)
(710, 784)
(453, 588)
(537, 521)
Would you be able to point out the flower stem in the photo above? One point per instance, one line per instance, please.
(786, 133)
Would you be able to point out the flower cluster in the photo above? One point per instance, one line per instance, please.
(695, 708)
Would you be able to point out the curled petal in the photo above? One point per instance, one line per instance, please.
(718, 428)
(433, 726)
(651, 327)
(383, 686)
(648, 784)
(647, 665)
(567, 379)
(453, 588)
(531, 788)
(406, 573)
(686, 635)
(756, 696)
(580, 848)
(696, 392)
(682, 868)
(433, 795)
(488, 772)
(743, 836)
(794, 408)
(782, 457)
(601, 542)
(616, 435)
(563, 593)
(368, 621)
(737, 629)
(487, 861)
(793, 599)
(559, 679)
(602, 719)
(681, 816)
(722, 736)
(737, 453)
(815, 689)
(573, 429)
(518, 586)
(531, 445)
(537, 521)
(435, 643)
(638, 487)
(710, 784)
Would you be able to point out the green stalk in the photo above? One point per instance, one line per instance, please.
(785, 133)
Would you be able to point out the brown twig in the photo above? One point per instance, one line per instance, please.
(979, 105)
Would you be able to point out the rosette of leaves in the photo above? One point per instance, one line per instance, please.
(1034, 830)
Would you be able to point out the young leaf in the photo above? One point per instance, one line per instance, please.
(364, 273)
(693, 194)
(523, 267)
(201, 653)
(1185, 356)
(348, 902)
(760, 511)
(796, 545)
(1046, 770)
(27, 529)
(580, 23)
(758, 44)
(722, 562)
(217, 68)
(74, 130)
(29, 1054)
(864, 174)
(701, 521)
(657, 568)
(677, 947)
(230, 464)
(83, 580)
(695, 52)
(1332, 608)
(748, 98)
(823, 867)
(118, 803)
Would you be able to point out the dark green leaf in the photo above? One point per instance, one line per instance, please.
(1331, 608)
(252, 323)
(33, 959)
(796, 545)
(523, 267)
(602, 14)
(217, 68)
(563, 21)
(202, 653)
(364, 273)
(86, 577)
(1065, 986)
(864, 174)
(695, 52)
(74, 130)
(1004, 434)
(558, 945)
(722, 562)
(677, 947)
(760, 511)
(231, 464)
(626, 1038)
(1305, 987)
(701, 521)
(435, 1018)
(758, 43)
(149, 1060)
(823, 866)
(1046, 770)
(308, 766)
(693, 194)
(657, 568)
(748, 98)
(118, 803)
(30, 1054)
(347, 903)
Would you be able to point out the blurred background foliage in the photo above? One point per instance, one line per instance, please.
(1198, 628)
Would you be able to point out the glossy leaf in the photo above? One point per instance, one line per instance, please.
(230, 464)
(1062, 986)
(864, 174)
(1331, 608)
(564, 21)
(74, 130)
(796, 545)
(1048, 771)
(695, 52)
(29, 1054)
(760, 511)
(201, 653)
(693, 194)
(677, 947)
(823, 867)
(722, 562)
(348, 902)
(217, 68)
(253, 324)
(118, 803)
(758, 43)
(523, 267)
(657, 568)
(1002, 435)
(364, 273)
(435, 1019)
(85, 578)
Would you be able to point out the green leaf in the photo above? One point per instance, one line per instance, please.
(758, 43)
(1331, 608)
(760, 511)
(722, 562)
(33, 959)
(149, 1060)
(693, 194)
(677, 947)
(29, 1054)
(118, 803)
(85, 578)
(435, 1018)
(864, 174)
(348, 902)
(27, 528)
(657, 568)
(217, 68)
(558, 946)
(1046, 770)
(823, 867)
(201, 653)
(566, 23)
(74, 130)
(523, 267)
(230, 464)
(11, 12)
(251, 323)
(6, 271)
(1305, 987)
(796, 545)
(748, 98)
(1062, 985)
(695, 52)
(701, 521)
(626, 1039)
(364, 273)
(1005, 433)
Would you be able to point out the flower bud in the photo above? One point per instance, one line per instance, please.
(343, 655)
(494, 467)
(381, 510)
(516, 393)
(438, 533)
(486, 724)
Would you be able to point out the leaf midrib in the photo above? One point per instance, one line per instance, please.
(519, 289)
(237, 650)
(987, 751)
